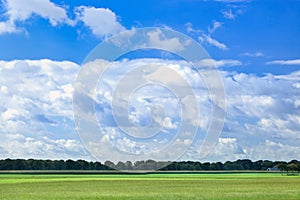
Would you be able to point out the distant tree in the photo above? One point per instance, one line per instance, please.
(241, 164)
(282, 166)
(228, 165)
(198, 166)
(7, 164)
(245, 163)
(110, 164)
(170, 166)
(19, 164)
(257, 165)
(72, 165)
(60, 165)
(205, 166)
(120, 166)
(97, 166)
(140, 165)
(151, 164)
(267, 164)
(216, 166)
(128, 165)
(292, 167)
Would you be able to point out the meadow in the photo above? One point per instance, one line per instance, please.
(150, 186)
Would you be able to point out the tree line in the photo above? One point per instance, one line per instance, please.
(241, 164)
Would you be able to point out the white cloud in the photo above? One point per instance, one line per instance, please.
(216, 25)
(255, 54)
(190, 29)
(8, 27)
(284, 62)
(101, 21)
(10, 114)
(157, 38)
(20, 146)
(294, 76)
(167, 123)
(207, 39)
(262, 121)
(271, 150)
(20, 11)
(228, 14)
(227, 149)
(263, 108)
(218, 63)
(259, 108)
(36, 102)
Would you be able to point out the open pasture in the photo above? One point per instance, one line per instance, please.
(149, 186)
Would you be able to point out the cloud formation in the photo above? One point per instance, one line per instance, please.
(101, 21)
(36, 110)
(284, 62)
(218, 63)
(20, 11)
(263, 113)
(228, 14)
(255, 54)
(8, 27)
(208, 39)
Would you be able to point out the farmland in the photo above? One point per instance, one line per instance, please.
(150, 186)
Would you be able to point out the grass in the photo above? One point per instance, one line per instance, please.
(149, 186)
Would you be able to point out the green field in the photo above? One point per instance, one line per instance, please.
(150, 186)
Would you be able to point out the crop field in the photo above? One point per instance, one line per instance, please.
(150, 186)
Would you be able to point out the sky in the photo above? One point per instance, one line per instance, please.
(254, 46)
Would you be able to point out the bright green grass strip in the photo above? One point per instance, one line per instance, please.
(27, 178)
(22, 178)
(150, 186)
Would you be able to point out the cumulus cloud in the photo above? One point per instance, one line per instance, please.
(36, 109)
(20, 11)
(227, 149)
(157, 38)
(218, 63)
(271, 150)
(8, 27)
(101, 21)
(262, 120)
(294, 76)
(259, 108)
(284, 62)
(20, 146)
(262, 108)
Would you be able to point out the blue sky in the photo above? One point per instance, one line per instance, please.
(268, 28)
(254, 44)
